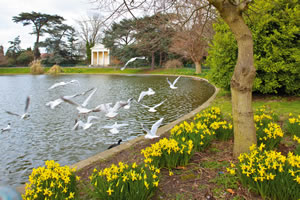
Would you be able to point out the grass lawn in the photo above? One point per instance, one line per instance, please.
(280, 105)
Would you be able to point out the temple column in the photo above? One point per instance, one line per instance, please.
(97, 58)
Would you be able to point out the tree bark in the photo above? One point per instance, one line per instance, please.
(242, 79)
(160, 58)
(36, 51)
(153, 61)
(198, 67)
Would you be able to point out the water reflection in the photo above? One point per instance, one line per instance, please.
(47, 134)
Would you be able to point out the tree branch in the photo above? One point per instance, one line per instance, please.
(129, 9)
(197, 9)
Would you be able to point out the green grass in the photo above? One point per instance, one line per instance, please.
(280, 105)
(14, 70)
(87, 70)
(214, 164)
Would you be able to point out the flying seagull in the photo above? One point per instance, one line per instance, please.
(6, 128)
(144, 93)
(25, 115)
(56, 102)
(131, 60)
(86, 125)
(111, 111)
(152, 109)
(114, 128)
(62, 84)
(152, 133)
(127, 106)
(82, 108)
(172, 85)
(114, 145)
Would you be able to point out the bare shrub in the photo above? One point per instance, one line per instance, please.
(175, 63)
(55, 70)
(36, 67)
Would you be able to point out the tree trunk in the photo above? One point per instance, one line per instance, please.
(198, 67)
(242, 79)
(36, 51)
(153, 61)
(160, 58)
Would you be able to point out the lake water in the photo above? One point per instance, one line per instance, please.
(47, 134)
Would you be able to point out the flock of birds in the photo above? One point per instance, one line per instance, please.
(110, 109)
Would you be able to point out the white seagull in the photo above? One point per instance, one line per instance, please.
(86, 125)
(54, 103)
(131, 60)
(144, 93)
(62, 84)
(82, 108)
(152, 109)
(128, 103)
(25, 115)
(152, 134)
(172, 85)
(114, 128)
(6, 128)
(110, 111)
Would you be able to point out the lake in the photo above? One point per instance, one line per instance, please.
(48, 135)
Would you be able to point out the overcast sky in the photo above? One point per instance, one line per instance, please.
(71, 10)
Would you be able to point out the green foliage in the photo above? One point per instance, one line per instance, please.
(120, 38)
(40, 23)
(25, 58)
(275, 29)
(222, 56)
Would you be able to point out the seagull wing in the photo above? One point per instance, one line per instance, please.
(155, 126)
(79, 123)
(90, 118)
(88, 98)
(118, 105)
(160, 103)
(120, 125)
(85, 92)
(102, 107)
(145, 106)
(56, 85)
(143, 93)
(11, 113)
(176, 80)
(145, 129)
(27, 104)
(79, 94)
(129, 61)
(75, 81)
(169, 82)
(70, 102)
(108, 126)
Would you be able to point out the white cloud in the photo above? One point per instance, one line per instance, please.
(71, 10)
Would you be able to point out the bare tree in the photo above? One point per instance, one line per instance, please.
(194, 31)
(89, 31)
(244, 73)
